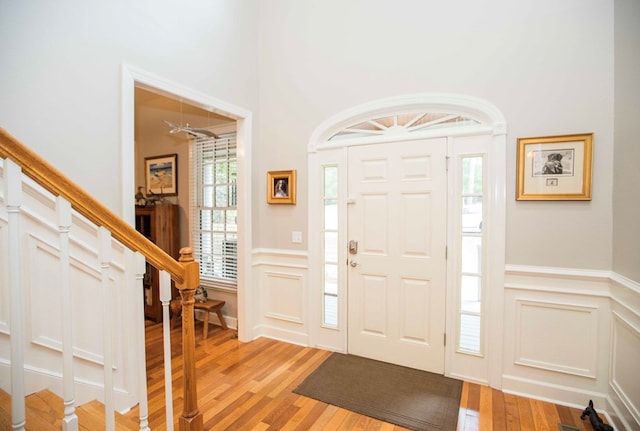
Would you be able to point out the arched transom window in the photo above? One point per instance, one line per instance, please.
(403, 124)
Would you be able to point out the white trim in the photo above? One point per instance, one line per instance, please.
(277, 257)
(472, 107)
(625, 293)
(518, 277)
(558, 272)
(626, 282)
(496, 237)
(492, 122)
(550, 392)
(553, 289)
(300, 338)
(132, 77)
(618, 379)
(280, 252)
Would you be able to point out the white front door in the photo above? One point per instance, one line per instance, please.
(397, 276)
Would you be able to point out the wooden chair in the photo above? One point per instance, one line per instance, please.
(209, 306)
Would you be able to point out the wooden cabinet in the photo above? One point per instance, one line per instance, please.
(159, 223)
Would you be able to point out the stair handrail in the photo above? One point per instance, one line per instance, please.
(185, 272)
(58, 184)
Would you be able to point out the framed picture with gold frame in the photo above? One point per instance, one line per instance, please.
(281, 187)
(555, 168)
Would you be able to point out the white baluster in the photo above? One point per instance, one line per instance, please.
(140, 265)
(165, 297)
(13, 195)
(70, 420)
(104, 252)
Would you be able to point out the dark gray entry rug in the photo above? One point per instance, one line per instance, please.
(413, 399)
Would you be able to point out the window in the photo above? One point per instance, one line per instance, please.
(471, 280)
(330, 247)
(410, 123)
(214, 208)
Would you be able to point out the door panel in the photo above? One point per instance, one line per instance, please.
(396, 282)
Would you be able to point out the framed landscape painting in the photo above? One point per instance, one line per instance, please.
(161, 174)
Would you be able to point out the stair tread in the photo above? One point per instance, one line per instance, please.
(92, 414)
(46, 403)
(45, 411)
(5, 411)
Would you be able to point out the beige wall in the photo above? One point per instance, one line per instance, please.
(547, 66)
(626, 175)
(61, 72)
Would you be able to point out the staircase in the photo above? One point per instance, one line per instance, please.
(72, 271)
(45, 411)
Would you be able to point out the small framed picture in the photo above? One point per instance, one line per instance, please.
(555, 168)
(281, 187)
(161, 174)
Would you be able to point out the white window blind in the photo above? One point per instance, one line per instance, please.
(214, 208)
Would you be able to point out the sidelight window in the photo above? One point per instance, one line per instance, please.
(471, 273)
(330, 246)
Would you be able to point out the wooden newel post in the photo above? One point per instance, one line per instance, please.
(191, 418)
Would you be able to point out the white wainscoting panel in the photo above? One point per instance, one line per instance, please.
(4, 282)
(42, 332)
(557, 334)
(544, 330)
(283, 295)
(44, 299)
(624, 396)
(5, 352)
(624, 374)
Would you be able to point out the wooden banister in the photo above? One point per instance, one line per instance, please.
(185, 273)
(55, 182)
(191, 419)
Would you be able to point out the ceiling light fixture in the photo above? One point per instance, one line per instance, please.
(191, 131)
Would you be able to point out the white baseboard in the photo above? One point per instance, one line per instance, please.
(299, 338)
(556, 394)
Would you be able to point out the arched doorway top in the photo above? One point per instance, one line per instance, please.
(441, 109)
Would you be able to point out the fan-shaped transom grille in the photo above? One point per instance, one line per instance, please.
(403, 124)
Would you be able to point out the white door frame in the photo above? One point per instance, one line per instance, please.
(132, 77)
(322, 152)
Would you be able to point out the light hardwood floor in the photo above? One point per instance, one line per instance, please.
(248, 386)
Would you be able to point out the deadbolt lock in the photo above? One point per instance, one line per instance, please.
(353, 247)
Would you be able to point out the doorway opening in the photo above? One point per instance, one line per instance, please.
(181, 101)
